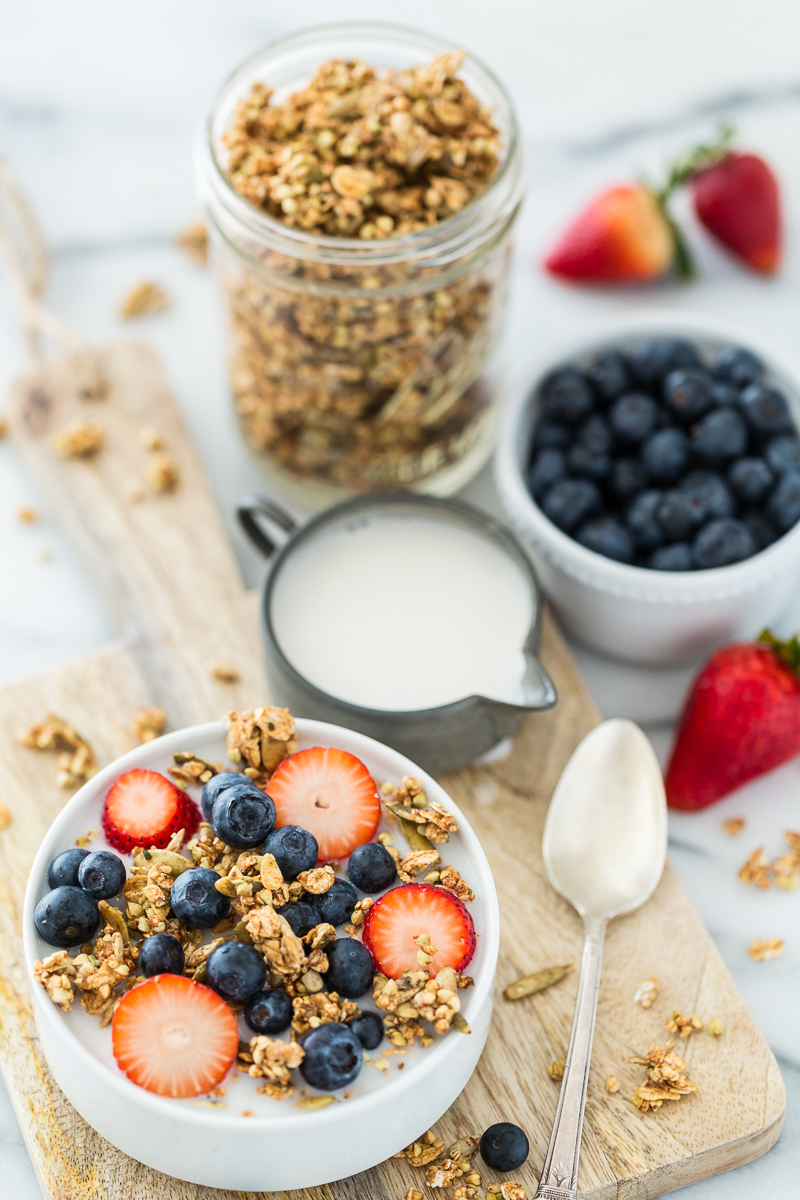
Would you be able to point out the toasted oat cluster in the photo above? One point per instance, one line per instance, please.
(783, 871)
(76, 762)
(666, 1078)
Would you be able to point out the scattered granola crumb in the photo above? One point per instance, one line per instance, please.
(224, 673)
(82, 439)
(425, 1150)
(612, 1083)
(714, 1028)
(646, 992)
(530, 984)
(76, 762)
(163, 474)
(666, 1078)
(309, 1103)
(245, 1113)
(505, 1191)
(5, 817)
(151, 439)
(413, 1194)
(756, 869)
(194, 240)
(143, 301)
(683, 1026)
(86, 839)
(734, 826)
(762, 949)
(27, 515)
(148, 724)
(3, 428)
(556, 1070)
(784, 871)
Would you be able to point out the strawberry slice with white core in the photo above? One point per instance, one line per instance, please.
(144, 808)
(331, 794)
(174, 1037)
(399, 917)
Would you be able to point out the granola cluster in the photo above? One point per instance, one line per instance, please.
(76, 762)
(259, 740)
(455, 1166)
(666, 1078)
(359, 374)
(96, 975)
(783, 871)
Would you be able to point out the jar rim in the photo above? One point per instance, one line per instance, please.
(473, 224)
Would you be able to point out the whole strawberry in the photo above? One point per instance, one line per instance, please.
(737, 200)
(741, 720)
(623, 236)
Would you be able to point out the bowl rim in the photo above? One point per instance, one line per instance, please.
(164, 1107)
(605, 574)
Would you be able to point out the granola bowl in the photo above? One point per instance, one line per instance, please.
(250, 1141)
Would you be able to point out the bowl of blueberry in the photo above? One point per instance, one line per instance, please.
(254, 954)
(654, 472)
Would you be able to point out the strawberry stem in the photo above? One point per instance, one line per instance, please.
(788, 651)
(697, 160)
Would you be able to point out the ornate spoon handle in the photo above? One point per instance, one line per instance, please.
(559, 1179)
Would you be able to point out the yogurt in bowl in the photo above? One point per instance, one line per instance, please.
(237, 1136)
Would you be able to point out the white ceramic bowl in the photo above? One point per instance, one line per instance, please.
(280, 1146)
(633, 613)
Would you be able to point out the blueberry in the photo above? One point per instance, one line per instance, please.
(196, 901)
(633, 417)
(712, 495)
(666, 455)
(504, 1147)
(723, 541)
(161, 954)
(723, 393)
(750, 479)
(301, 917)
(236, 971)
(783, 454)
(628, 478)
(64, 868)
(243, 816)
(269, 1011)
(688, 394)
(766, 409)
(333, 1056)
(679, 515)
(761, 528)
(371, 868)
(783, 506)
(215, 785)
(546, 469)
(293, 848)
(102, 874)
(677, 557)
(567, 396)
(653, 361)
(588, 464)
(67, 916)
(569, 502)
(550, 435)
(642, 520)
(720, 436)
(595, 434)
(350, 968)
(607, 536)
(368, 1028)
(610, 375)
(335, 906)
(738, 367)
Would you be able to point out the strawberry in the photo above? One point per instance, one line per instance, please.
(144, 808)
(737, 200)
(398, 917)
(622, 237)
(331, 794)
(742, 719)
(174, 1037)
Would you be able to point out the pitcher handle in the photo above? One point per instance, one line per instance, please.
(253, 512)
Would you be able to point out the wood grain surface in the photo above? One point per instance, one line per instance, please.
(165, 568)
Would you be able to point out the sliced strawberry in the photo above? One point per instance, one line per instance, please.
(144, 808)
(331, 794)
(174, 1037)
(397, 919)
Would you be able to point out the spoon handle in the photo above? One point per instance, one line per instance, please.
(559, 1179)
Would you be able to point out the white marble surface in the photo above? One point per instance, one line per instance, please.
(97, 108)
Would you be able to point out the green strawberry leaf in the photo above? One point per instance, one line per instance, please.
(788, 651)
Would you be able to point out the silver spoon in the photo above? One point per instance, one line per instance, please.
(604, 847)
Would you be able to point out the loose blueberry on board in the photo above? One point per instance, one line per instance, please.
(302, 917)
(63, 870)
(766, 410)
(102, 875)
(688, 394)
(608, 536)
(215, 785)
(738, 367)
(665, 455)
(243, 816)
(722, 542)
(642, 520)
(333, 1057)
(610, 375)
(293, 848)
(269, 1011)
(720, 436)
(368, 1028)
(161, 954)
(710, 492)
(236, 971)
(570, 502)
(677, 557)
(633, 417)
(335, 906)
(750, 479)
(196, 901)
(371, 868)
(67, 916)
(652, 361)
(350, 968)
(567, 396)
(546, 469)
(504, 1147)
(783, 454)
(783, 506)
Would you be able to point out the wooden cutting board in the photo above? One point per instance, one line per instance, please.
(164, 567)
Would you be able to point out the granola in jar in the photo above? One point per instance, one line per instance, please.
(361, 210)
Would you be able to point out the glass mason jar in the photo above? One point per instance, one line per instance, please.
(361, 365)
